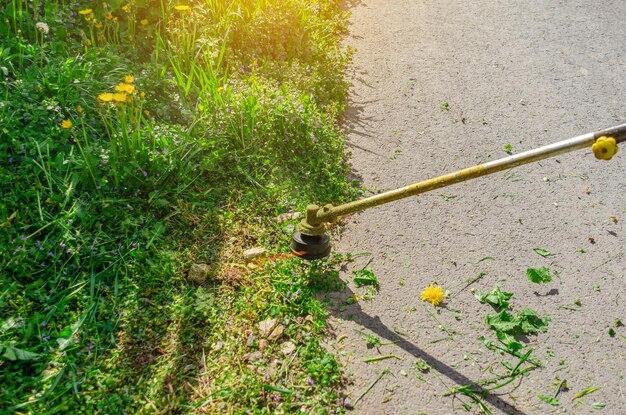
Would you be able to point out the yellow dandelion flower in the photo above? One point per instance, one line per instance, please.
(126, 8)
(114, 19)
(182, 8)
(105, 97)
(144, 22)
(127, 88)
(146, 113)
(85, 12)
(142, 94)
(66, 124)
(108, 16)
(433, 294)
(120, 97)
(79, 109)
(129, 79)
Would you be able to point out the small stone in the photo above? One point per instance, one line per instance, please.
(287, 348)
(250, 340)
(347, 403)
(252, 253)
(253, 356)
(288, 216)
(218, 346)
(198, 274)
(266, 326)
(263, 344)
(277, 333)
(271, 329)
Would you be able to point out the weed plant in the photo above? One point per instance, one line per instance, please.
(137, 138)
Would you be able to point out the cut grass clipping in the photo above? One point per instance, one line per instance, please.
(497, 298)
(506, 324)
(365, 277)
(538, 275)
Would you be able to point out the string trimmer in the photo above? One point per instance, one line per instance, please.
(310, 240)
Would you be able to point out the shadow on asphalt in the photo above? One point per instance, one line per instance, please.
(375, 325)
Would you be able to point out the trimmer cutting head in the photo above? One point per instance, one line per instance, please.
(310, 247)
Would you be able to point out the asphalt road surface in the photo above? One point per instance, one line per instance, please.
(440, 86)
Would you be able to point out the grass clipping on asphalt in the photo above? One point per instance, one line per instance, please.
(140, 138)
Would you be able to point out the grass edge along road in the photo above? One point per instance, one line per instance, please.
(139, 138)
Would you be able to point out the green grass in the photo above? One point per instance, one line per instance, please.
(231, 122)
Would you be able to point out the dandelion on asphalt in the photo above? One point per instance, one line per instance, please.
(433, 294)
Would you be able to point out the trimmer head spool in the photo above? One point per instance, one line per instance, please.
(310, 247)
